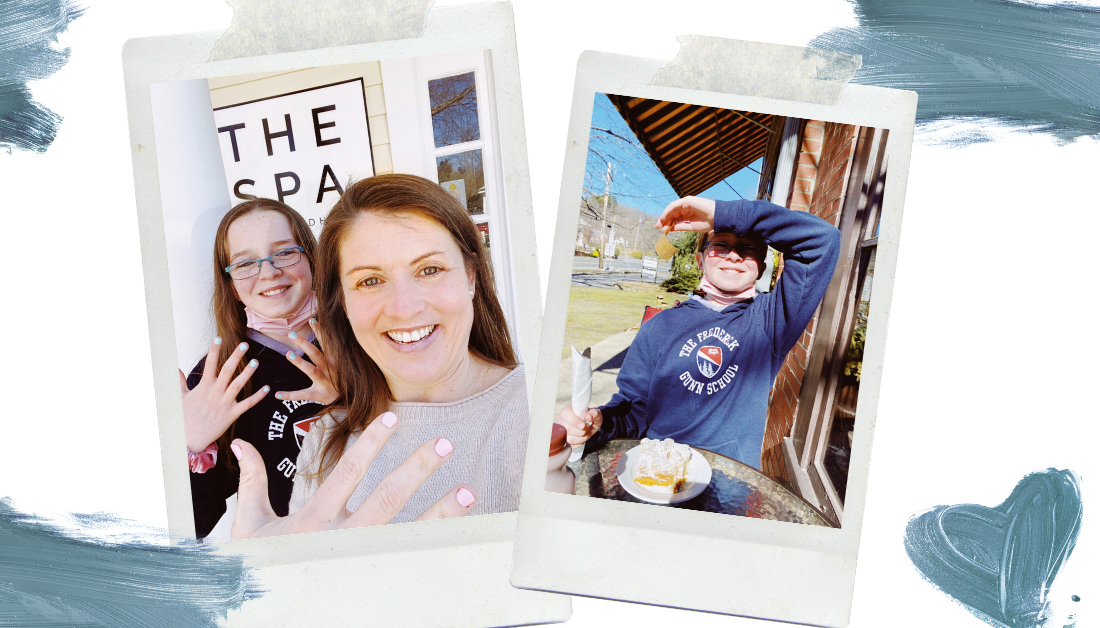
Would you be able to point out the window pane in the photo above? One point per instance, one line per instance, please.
(454, 109)
(483, 229)
(461, 174)
(839, 451)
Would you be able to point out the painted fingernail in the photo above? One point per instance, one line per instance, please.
(465, 497)
(217, 341)
(236, 450)
(293, 335)
(389, 419)
(253, 364)
(267, 389)
(277, 395)
(242, 346)
(313, 321)
(290, 355)
(443, 447)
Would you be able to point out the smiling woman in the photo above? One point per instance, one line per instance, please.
(431, 406)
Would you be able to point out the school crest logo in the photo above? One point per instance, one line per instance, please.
(709, 360)
(301, 429)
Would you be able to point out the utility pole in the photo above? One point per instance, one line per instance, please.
(636, 230)
(603, 218)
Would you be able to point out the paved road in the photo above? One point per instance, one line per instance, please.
(615, 270)
(623, 263)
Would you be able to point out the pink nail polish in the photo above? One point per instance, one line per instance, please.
(465, 497)
(237, 450)
(388, 419)
(443, 447)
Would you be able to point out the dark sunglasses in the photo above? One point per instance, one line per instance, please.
(716, 248)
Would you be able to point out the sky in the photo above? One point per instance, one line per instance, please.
(636, 180)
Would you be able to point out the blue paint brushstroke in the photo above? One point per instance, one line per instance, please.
(27, 30)
(1000, 562)
(53, 577)
(1018, 65)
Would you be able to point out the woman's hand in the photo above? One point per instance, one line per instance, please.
(211, 407)
(322, 390)
(690, 213)
(327, 509)
(579, 430)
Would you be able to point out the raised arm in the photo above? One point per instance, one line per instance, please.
(210, 403)
(810, 247)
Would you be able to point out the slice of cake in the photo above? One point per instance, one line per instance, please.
(662, 466)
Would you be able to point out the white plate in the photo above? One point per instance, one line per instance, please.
(698, 478)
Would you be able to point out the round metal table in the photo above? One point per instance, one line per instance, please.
(735, 488)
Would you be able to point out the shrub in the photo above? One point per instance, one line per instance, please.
(853, 365)
(684, 283)
(636, 254)
(685, 274)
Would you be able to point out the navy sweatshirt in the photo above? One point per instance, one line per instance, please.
(702, 377)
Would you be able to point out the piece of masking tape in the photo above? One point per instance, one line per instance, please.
(264, 27)
(714, 64)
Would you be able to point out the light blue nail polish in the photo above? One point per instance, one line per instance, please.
(313, 321)
(242, 346)
(277, 395)
(217, 341)
(253, 364)
(268, 389)
(293, 335)
(290, 355)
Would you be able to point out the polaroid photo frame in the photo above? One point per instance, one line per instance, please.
(645, 553)
(450, 572)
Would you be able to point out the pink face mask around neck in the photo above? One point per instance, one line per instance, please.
(282, 326)
(718, 295)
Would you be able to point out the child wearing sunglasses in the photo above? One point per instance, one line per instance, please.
(701, 373)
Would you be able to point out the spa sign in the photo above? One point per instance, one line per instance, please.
(301, 148)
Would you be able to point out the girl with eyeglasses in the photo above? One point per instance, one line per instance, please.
(701, 373)
(264, 380)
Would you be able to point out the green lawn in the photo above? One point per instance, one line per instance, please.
(597, 313)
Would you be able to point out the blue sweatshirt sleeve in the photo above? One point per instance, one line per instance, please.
(810, 248)
(626, 415)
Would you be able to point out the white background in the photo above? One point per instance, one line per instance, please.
(990, 369)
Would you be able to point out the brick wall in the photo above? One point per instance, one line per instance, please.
(821, 177)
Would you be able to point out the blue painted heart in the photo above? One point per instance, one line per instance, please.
(1000, 562)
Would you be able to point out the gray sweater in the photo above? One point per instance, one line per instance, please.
(489, 432)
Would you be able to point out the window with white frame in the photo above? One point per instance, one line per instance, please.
(822, 435)
(441, 114)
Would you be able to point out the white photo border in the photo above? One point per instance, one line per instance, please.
(682, 558)
(452, 572)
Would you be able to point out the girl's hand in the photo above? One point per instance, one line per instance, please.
(211, 407)
(579, 430)
(690, 213)
(322, 390)
(327, 509)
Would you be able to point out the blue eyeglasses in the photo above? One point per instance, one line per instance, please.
(279, 259)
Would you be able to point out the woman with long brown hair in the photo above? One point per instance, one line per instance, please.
(421, 360)
(263, 304)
